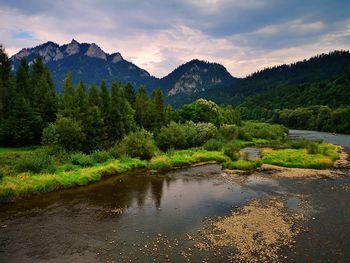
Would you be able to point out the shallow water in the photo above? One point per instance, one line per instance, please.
(146, 217)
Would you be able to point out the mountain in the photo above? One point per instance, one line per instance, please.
(275, 79)
(87, 63)
(195, 76)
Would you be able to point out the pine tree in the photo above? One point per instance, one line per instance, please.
(129, 93)
(69, 107)
(80, 101)
(105, 102)
(157, 109)
(115, 124)
(22, 123)
(93, 97)
(23, 85)
(142, 114)
(93, 129)
(6, 83)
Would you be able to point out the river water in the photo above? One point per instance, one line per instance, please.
(142, 217)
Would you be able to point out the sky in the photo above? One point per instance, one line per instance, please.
(159, 35)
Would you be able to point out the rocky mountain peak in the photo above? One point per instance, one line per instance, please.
(94, 51)
(116, 57)
(73, 48)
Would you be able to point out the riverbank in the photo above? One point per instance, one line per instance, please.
(82, 171)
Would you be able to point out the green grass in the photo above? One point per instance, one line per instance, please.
(184, 158)
(246, 165)
(26, 184)
(300, 158)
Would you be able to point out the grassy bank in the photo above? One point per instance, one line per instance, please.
(323, 158)
(66, 175)
(27, 184)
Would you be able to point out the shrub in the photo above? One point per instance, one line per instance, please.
(100, 156)
(160, 163)
(138, 144)
(66, 133)
(229, 132)
(2, 175)
(81, 159)
(204, 132)
(252, 130)
(232, 150)
(213, 145)
(246, 165)
(186, 135)
(35, 163)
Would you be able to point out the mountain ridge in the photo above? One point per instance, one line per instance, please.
(89, 63)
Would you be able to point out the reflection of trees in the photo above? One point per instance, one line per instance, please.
(157, 189)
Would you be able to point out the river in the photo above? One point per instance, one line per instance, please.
(142, 217)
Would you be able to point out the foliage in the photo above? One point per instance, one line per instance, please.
(229, 131)
(66, 133)
(101, 156)
(213, 145)
(251, 130)
(186, 135)
(138, 144)
(232, 150)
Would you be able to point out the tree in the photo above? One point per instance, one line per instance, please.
(105, 104)
(142, 114)
(93, 128)
(93, 97)
(69, 108)
(22, 124)
(129, 93)
(23, 86)
(6, 83)
(121, 114)
(157, 110)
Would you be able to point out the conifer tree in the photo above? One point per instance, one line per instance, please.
(69, 107)
(115, 124)
(157, 109)
(142, 114)
(23, 85)
(104, 105)
(93, 97)
(6, 83)
(129, 93)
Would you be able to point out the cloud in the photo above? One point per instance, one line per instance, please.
(159, 35)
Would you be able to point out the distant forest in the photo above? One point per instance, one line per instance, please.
(310, 94)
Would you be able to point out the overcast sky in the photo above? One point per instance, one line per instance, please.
(159, 35)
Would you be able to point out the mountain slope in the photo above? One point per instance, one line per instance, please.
(195, 76)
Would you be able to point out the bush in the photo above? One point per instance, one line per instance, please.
(204, 132)
(100, 156)
(35, 163)
(229, 132)
(138, 144)
(259, 130)
(186, 135)
(66, 133)
(213, 145)
(232, 150)
(81, 159)
(2, 175)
